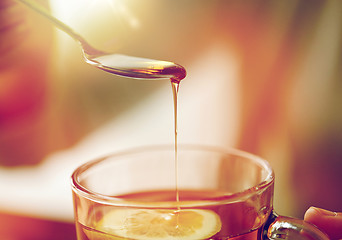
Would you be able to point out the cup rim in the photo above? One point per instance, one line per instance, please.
(79, 189)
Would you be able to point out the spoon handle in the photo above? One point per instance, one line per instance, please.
(44, 12)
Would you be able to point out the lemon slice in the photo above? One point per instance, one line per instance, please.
(185, 224)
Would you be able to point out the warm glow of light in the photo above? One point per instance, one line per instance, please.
(65, 9)
(119, 8)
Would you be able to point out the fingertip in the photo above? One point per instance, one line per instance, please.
(328, 221)
(315, 212)
(310, 213)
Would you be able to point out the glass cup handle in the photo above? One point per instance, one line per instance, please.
(280, 227)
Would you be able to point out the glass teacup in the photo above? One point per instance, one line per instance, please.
(204, 193)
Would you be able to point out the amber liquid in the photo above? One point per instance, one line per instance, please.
(240, 220)
(175, 87)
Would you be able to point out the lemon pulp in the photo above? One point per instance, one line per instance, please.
(152, 224)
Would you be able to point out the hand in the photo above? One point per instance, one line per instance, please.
(327, 221)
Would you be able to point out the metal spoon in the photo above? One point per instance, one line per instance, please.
(118, 64)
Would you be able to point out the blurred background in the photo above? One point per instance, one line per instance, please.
(263, 76)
